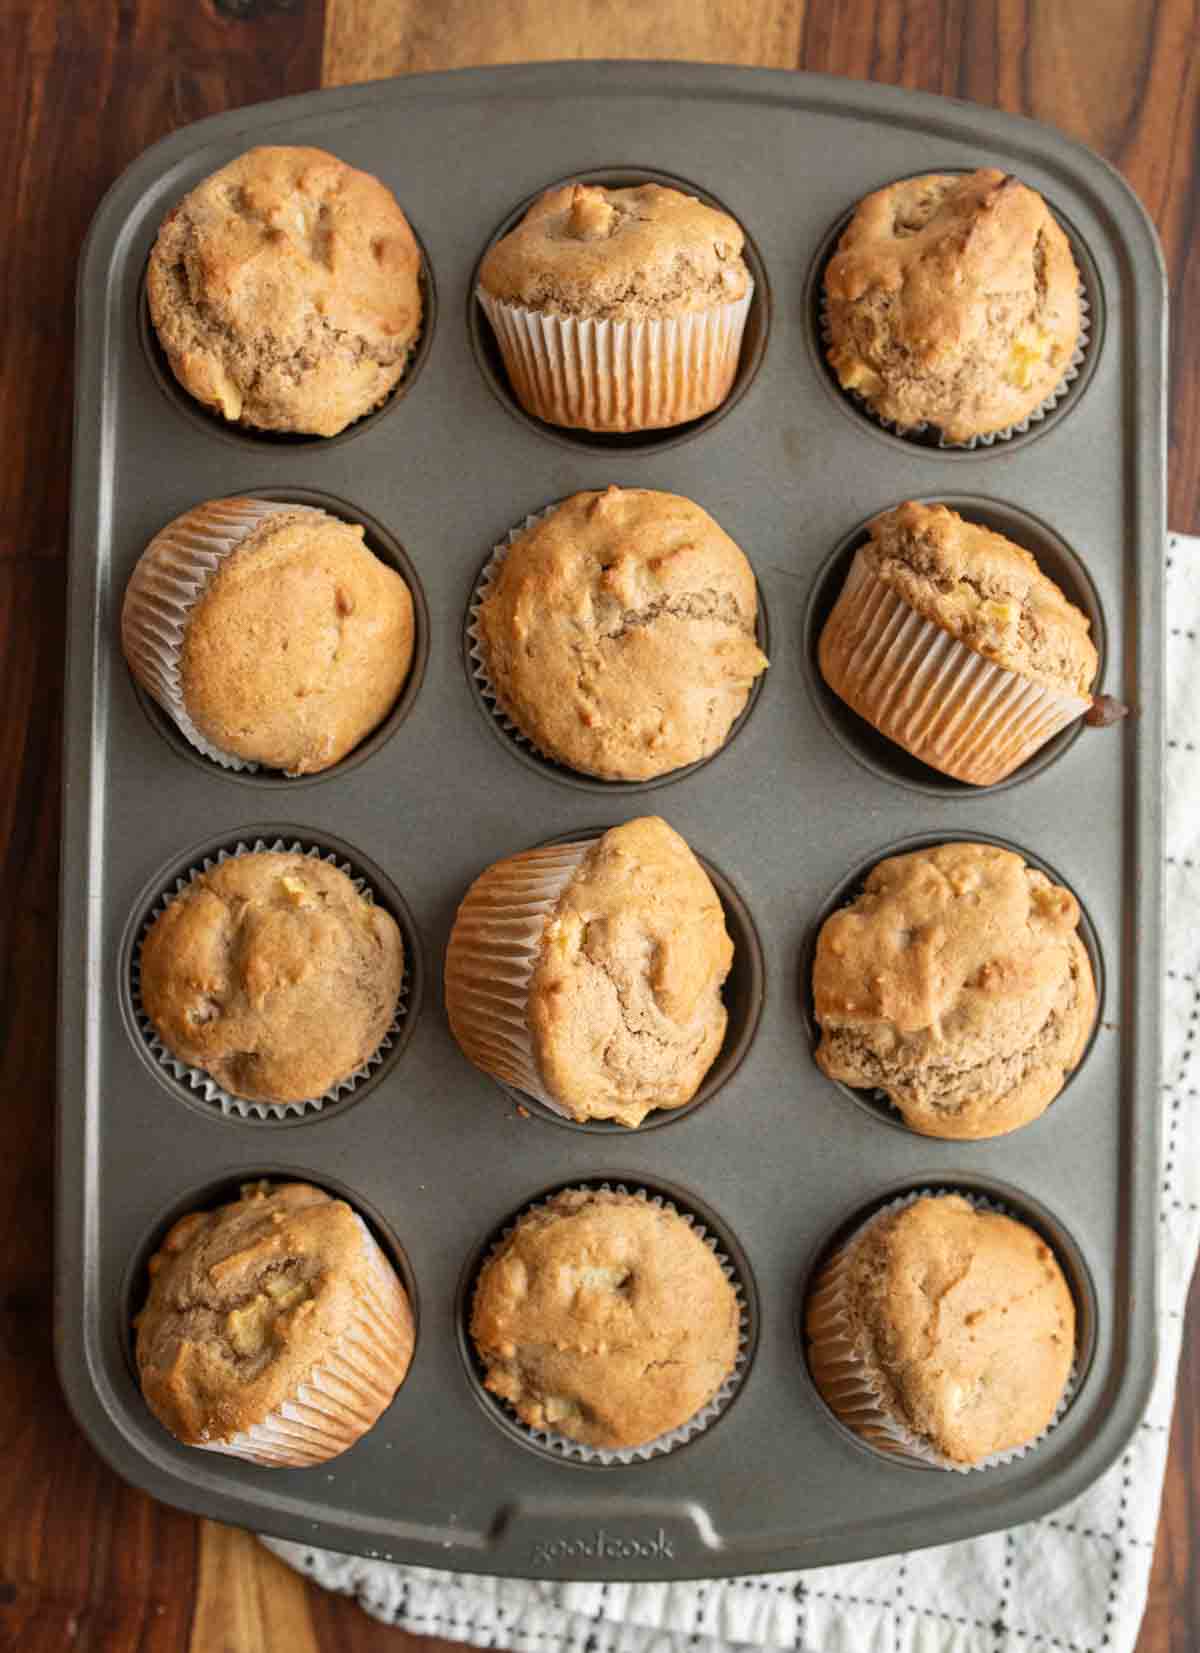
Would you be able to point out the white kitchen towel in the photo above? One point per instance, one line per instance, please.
(1074, 1582)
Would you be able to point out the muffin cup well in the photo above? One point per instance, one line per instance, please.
(562, 1445)
(844, 1382)
(173, 574)
(921, 432)
(345, 1395)
(931, 694)
(494, 950)
(619, 375)
(239, 1106)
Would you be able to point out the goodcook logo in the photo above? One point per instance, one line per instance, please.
(604, 1546)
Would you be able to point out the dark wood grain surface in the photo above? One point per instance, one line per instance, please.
(85, 1562)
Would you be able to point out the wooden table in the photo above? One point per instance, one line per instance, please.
(85, 1562)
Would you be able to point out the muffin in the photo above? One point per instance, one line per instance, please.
(274, 1329)
(268, 633)
(950, 640)
(606, 1319)
(618, 309)
(589, 975)
(617, 633)
(285, 291)
(957, 984)
(273, 974)
(953, 301)
(943, 1334)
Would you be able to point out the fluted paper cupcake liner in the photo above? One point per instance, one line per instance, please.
(949, 706)
(619, 375)
(345, 1395)
(988, 438)
(241, 1106)
(174, 572)
(845, 1383)
(700, 1420)
(494, 950)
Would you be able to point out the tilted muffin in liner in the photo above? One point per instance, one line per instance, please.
(581, 1452)
(619, 375)
(336, 1400)
(204, 1083)
(610, 1015)
(321, 641)
(927, 691)
(843, 1377)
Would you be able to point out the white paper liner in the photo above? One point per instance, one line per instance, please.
(857, 1404)
(699, 1421)
(172, 575)
(619, 375)
(240, 1106)
(987, 438)
(949, 706)
(342, 1398)
(487, 999)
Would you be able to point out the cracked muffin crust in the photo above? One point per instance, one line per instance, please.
(284, 290)
(953, 301)
(957, 984)
(256, 1305)
(950, 640)
(273, 974)
(604, 1318)
(590, 974)
(619, 633)
(618, 255)
(957, 1322)
(294, 649)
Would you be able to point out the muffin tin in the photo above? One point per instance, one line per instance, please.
(779, 1160)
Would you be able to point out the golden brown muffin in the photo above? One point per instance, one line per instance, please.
(274, 1329)
(618, 255)
(297, 645)
(284, 289)
(957, 984)
(618, 309)
(930, 695)
(953, 301)
(604, 1318)
(619, 633)
(273, 974)
(943, 1330)
(590, 974)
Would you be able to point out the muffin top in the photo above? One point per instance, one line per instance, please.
(954, 301)
(273, 974)
(624, 1003)
(604, 1318)
(284, 289)
(246, 1300)
(619, 633)
(300, 643)
(965, 1324)
(957, 984)
(985, 591)
(618, 255)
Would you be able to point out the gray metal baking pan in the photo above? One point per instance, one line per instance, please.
(800, 802)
